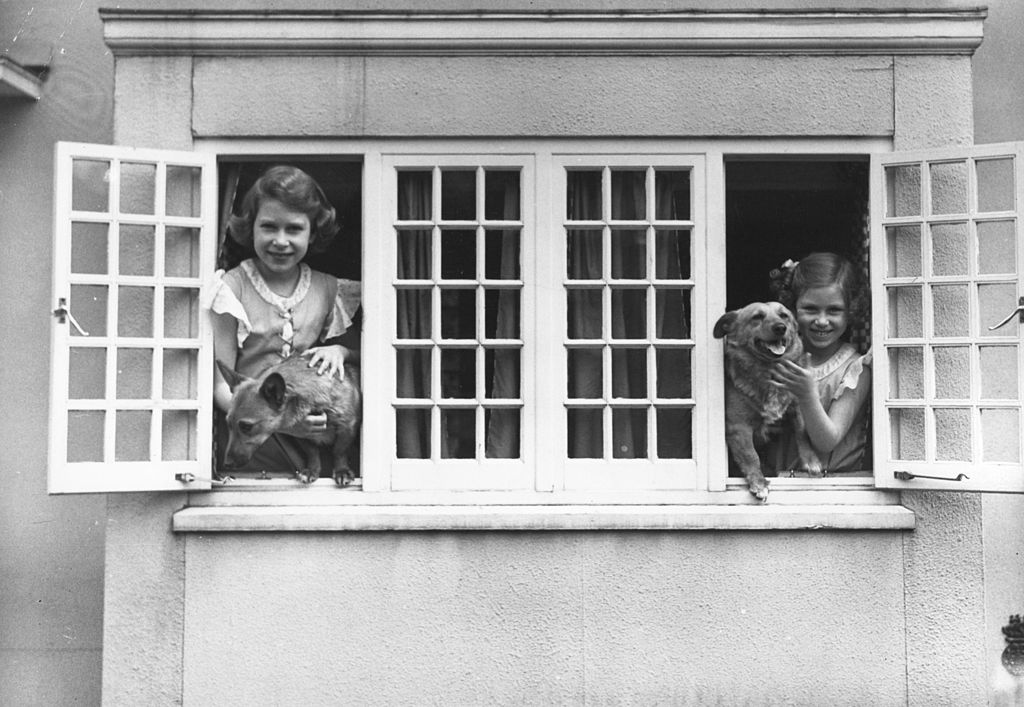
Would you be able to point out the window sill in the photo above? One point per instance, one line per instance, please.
(231, 519)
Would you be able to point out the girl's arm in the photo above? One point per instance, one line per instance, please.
(225, 350)
(826, 429)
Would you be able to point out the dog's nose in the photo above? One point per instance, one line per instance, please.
(778, 329)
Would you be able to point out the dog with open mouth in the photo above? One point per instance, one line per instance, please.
(756, 337)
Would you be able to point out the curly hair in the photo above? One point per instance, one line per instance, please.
(791, 280)
(297, 191)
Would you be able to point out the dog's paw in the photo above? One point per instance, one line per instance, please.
(343, 476)
(759, 490)
(306, 476)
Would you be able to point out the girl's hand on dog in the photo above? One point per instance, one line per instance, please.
(796, 379)
(312, 424)
(327, 359)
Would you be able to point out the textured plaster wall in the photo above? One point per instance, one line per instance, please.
(545, 618)
(51, 548)
(540, 96)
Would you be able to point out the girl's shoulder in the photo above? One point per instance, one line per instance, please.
(848, 369)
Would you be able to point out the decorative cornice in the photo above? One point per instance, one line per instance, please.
(17, 81)
(361, 33)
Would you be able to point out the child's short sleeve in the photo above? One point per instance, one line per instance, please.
(852, 375)
(222, 300)
(346, 304)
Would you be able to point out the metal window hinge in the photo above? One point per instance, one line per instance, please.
(64, 314)
(189, 478)
(907, 476)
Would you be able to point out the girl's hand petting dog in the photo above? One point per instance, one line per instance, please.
(311, 425)
(327, 359)
(796, 379)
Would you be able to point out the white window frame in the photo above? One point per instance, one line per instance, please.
(713, 486)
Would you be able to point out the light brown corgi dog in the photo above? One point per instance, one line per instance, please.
(283, 396)
(756, 336)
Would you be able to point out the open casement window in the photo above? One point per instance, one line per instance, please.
(131, 382)
(947, 266)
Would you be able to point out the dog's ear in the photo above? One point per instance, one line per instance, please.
(724, 324)
(273, 390)
(233, 377)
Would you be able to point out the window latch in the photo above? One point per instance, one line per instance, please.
(1019, 312)
(907, 476)
(189, 477)
(64, 314)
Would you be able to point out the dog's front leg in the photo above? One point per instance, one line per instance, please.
(311, 454)
(808, 457)
(740, 439)
(342, 472)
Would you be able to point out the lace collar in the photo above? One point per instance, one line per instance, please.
(283, 304)
(840, 357)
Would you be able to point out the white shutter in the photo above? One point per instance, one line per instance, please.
(946, 267)
(131, 379)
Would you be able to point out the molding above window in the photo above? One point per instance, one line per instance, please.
(210, 519)
(18, 82)
(561, 32)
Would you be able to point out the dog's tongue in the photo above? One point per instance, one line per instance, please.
(776, 348)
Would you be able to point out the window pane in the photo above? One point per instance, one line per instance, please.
(907, 434)
(414, 195)
(180, 374)
(89, 248)
(503, 426)
(1000, 435)
(412, 432)
(629, 195)
(906, 372)
(950, 249)
(674, 373)
(131, 435)
(629, 254)
(458, 255)
(903, 244)
(87, 373)
(903, 190)
(905, 318)
(585, 375)
(672, 256)
(89, 307)
(138, 188)
(180, 307)
(629, 373)
(135, 311)
(414, 315)
(583, 195)
(501, 373)
(136, 248)
(414, 250)
(183, 184)
(501, 314)
(458, 373)
(458, 314)
(953, 434)
(995, 184)
(995, 302)
(672, 313)
(951, 309)
(501, 199)
(672, 195)
(584, 254)
(949, 187)
(502, 255)
(458, 195)
(997, 248)
(952, 372)
(181, 252)
(413, 373)
(90, 185)
(134, 373)
(85, 435)
(999, 372)
(629, 430)
(584, 316)
(178, 435)
(458, 434)
(629, 313)
(675, 433)
(586, 433)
